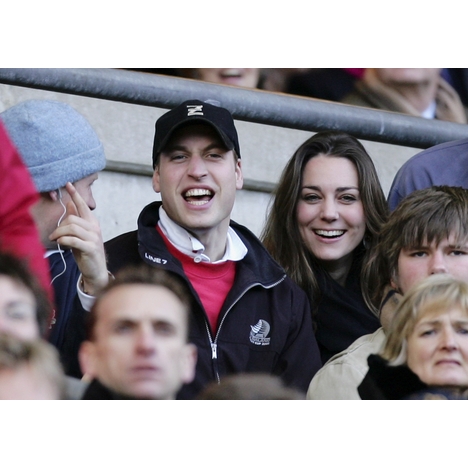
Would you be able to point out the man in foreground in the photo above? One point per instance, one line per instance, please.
(138, 338)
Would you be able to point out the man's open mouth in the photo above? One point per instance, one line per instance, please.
(198, 196)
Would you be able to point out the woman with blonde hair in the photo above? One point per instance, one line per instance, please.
(327, 212)
(427, 345)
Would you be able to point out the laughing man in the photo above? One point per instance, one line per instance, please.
(248, 315)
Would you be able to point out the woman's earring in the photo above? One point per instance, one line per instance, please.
(365, 241)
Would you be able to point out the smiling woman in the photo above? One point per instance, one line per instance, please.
(327, 211)
(426, 351)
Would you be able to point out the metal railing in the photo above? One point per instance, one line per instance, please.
(249, 105)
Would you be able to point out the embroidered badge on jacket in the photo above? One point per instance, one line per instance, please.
(259, 333)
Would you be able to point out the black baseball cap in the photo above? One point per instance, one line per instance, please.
(195, 111)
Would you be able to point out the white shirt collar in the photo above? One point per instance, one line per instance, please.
(189, 245)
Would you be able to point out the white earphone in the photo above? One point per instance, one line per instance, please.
(59, 195)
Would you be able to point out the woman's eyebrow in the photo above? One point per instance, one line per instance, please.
(338, 189)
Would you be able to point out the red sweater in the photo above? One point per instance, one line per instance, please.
(212, 281)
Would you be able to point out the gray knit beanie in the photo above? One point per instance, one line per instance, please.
(56, 142)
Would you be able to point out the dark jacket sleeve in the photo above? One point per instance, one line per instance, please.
(75, 334)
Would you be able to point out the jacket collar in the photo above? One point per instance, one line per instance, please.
(182, 240)
(257, 265)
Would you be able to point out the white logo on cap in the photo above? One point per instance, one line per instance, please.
(194, 110)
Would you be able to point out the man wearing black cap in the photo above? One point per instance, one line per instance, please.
(248, 316)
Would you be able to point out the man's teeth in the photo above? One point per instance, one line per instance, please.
(197, 193)
(329, 233)
(198, 203)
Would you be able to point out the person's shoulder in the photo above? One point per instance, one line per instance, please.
(122, 250)
(95, 390)
(130, 238)
(449, 146)
(256, 250)
(356, 353)
(265, 268)
(437, 165)
(339, 377)
(117, 241)
(244, 232)
(447, 149)
(75, 388)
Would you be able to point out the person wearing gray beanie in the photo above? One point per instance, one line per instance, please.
(57, 144)
(64, 155)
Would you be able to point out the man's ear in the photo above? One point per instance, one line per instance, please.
(54, 195)
(87, 358)
(239, 176)
(156, 185)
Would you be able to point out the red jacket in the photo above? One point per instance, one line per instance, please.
(18, 232)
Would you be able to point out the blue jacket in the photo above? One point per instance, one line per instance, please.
(265, 324)
(444, 164)
(68, 331)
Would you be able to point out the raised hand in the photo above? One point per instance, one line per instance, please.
(81, 232)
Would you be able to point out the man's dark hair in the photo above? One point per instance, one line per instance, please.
(146, 275)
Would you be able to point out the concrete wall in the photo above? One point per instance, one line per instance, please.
(127, 132)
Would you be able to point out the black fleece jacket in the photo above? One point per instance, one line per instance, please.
(265, 324)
